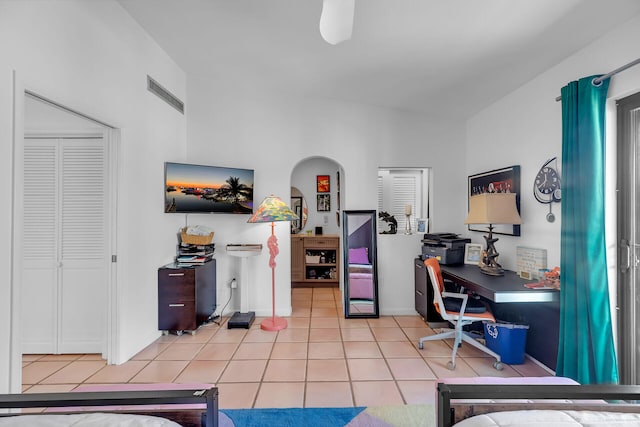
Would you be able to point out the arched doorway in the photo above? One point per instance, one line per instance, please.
(318, 182)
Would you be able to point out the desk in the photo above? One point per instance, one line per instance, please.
(511, 302)
(499, 289)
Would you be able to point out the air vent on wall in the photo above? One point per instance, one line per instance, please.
(154, 87)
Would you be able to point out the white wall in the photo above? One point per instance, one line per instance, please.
(245, 128)
(92, 57)
(525, 128)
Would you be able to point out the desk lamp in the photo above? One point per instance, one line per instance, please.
(492, 208)
(273, 209)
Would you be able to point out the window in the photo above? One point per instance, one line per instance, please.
(399, 188)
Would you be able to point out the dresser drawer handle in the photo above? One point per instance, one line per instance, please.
(419, 293)
(175, 274)
(176, 305)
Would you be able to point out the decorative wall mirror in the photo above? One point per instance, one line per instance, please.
(360, 264)
(299, 206)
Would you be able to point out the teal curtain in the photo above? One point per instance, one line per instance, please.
(586, 352)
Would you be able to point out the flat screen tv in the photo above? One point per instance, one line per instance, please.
(192, 188)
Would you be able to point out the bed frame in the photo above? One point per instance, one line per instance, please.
(610, 398)
(192, 417)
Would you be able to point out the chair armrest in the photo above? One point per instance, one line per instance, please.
(463, 297)
(454, 295)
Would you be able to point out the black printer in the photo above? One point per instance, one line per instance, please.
(447, 248)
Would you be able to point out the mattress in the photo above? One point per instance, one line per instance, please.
(549, 418)
(93, 419)
(361, 281)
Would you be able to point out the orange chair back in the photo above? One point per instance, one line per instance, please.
(435, 265)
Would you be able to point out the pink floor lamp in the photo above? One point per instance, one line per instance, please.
(273, 209)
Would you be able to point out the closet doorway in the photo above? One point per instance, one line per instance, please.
(65, 233)
(628, 205)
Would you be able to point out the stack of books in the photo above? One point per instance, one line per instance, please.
(189, 255)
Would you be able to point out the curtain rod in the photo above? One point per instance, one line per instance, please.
(599, 80)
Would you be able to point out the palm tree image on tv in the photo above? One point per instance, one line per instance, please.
(205, 189)
(235, 191)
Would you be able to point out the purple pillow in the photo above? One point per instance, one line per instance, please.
(358, 256)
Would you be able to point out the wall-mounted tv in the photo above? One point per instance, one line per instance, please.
(192, 188)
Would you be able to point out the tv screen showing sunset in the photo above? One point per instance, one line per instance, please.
(207, 189)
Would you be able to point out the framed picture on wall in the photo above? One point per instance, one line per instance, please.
(322, 183)
(422, 225)
(506, 180)
(324, 202)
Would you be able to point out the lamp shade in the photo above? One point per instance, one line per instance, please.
(493, 208)
(273, 209)
(336, 20)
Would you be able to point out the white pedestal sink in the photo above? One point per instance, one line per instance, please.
(243, 318)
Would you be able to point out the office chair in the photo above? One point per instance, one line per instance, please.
(457, 309)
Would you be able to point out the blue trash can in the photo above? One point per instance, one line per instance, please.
(508, 340)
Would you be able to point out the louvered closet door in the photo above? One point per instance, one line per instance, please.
(70, 269)
(40, 248)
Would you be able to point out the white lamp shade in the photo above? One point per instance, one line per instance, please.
(336, 20)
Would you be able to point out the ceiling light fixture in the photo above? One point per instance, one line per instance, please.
(336, 20)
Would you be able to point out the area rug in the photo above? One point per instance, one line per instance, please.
(376, 416)
(379, 416)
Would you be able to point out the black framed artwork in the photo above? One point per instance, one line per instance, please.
(324, 202)
(505, 180)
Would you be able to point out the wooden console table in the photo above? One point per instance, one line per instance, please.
(315, 260)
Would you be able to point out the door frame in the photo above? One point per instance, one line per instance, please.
(628, 240)
(112, 140)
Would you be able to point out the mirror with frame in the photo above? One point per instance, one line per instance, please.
(360, 263)
(299, 206)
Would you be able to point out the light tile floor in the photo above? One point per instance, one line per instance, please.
(320, 360)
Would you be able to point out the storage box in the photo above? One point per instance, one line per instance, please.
(193, 239)
(508, 340)
(313, 259)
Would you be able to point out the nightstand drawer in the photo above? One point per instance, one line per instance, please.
(320, 242)
(177, 276)
(177, 316)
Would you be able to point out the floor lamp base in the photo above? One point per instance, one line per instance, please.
(273, 324)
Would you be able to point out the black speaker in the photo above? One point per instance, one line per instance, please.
(318, 231)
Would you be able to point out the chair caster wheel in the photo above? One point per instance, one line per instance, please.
(421, 346)
(498, 365)
(179, 333)
(451, 366)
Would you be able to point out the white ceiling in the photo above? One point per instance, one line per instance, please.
(436, 56)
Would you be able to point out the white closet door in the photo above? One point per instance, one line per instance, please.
(83, 298)
(40, 247)
(76, 291)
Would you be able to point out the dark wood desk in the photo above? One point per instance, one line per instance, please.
(511, 302)
(499, 289)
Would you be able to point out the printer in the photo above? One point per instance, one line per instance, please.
(447, 248)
